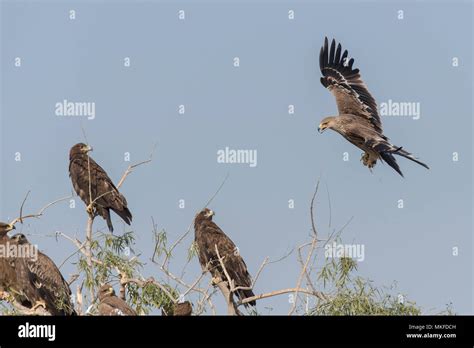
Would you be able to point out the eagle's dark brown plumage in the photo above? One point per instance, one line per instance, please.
(207, 236)
(99, 189)
(44, 276)
(15, 278)
(182, 309)
(111, 305)
(8, 275)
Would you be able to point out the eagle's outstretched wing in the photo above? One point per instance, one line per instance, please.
(352, 95)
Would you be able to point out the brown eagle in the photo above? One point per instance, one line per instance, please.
(7, 270)
(15, 277)
(207, 236)
(93, 185)
(358, 120)
(182, 309)
(40, 275)
(111, 305)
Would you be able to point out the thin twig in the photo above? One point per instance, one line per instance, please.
(317, 294)
(40, 212)
(132, 167)
(310, 253)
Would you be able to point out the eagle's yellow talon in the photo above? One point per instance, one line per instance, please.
(39, 304)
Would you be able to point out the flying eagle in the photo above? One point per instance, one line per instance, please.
(43, 276)
(207, 236)
(93, 185)
(111, 305)
(358, 120)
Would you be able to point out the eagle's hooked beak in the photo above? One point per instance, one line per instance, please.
(210, 213)
(89, 148)
(321, 129)
(11, 227)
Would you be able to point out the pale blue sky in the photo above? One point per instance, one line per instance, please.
(190, 63)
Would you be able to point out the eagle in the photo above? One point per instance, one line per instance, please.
(182, 309)
(15, 278)
(358, 120)
(43, 276)
(94, 186)
(208, 236)
(111, 305)
(7, 270)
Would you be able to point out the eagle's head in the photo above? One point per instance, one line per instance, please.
(5, 228)
(20, 238)
(79, 149)
(105, 291)
(326, 123)
(205, 214)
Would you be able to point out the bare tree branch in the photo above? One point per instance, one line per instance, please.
(39, 213)
(132, 167)
(310, 253)
(317, 294)
(39, 310)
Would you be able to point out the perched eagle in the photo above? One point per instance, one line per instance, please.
(358, 120)
(42, 274)
(15, 277)
(7, 270)
(111, 305)
(99, 189)
(182, 309)
(207, 236)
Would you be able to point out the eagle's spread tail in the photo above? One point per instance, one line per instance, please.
(408, 155)
(387, 151)
(391, 161)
